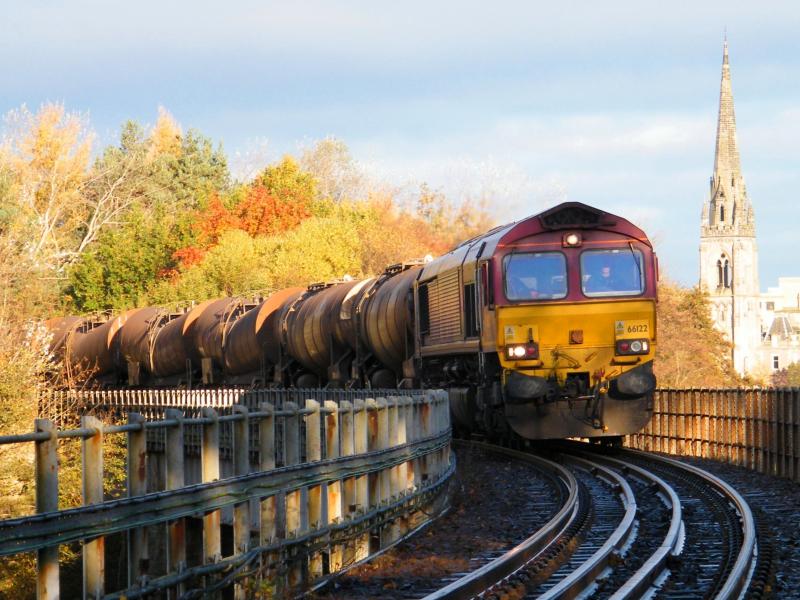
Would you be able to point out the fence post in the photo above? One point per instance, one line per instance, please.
(46, 501)
(334, 495)
(350, 499)
(268, 530)
(176, 530)
(296, 515)
(93, 551)
(426, 462)
(209, 464)
(138, 557)
(383, 442)
(316, 516)
(241, 511)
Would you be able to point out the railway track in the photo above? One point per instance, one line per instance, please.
(639, 525)
(620, 524)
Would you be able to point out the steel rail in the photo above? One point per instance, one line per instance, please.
(653, 566)
(582, 577)
(737, 580)
(497, 570)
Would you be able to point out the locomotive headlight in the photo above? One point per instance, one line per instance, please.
(519, 351)
(571, 240)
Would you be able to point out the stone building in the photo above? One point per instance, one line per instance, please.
(728, 249)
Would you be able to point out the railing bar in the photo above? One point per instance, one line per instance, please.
(34, 436)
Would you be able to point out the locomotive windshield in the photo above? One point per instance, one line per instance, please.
(535, 276)
(612, 272)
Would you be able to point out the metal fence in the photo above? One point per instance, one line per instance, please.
(750, 427)
(315, 486)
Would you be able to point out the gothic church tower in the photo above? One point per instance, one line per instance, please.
(728, 251)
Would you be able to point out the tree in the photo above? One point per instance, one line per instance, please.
(788, 377)
(118, 272)
(451, 224)
(45, 157)
(338, 177)
(288, 181)
(691, 352)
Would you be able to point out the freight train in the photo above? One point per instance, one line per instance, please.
(545, 327)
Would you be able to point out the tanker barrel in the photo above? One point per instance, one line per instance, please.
(207, 336)
(387, 319)
(61, 328)
(169, 353)
(135, 336)
(94, 351)
(314, 335)
(257, 333)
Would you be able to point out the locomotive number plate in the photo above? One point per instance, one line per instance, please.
(631, 328)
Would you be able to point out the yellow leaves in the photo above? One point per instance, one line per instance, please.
(166, 136)
(47, 154)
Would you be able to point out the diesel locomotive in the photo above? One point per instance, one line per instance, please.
(545, 327)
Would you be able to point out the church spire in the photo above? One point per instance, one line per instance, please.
(726, 160)
(729, 207)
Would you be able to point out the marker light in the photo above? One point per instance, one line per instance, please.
(528, 351)
(628, 347)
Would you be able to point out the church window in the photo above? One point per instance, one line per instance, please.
(776, 362)
(719, 273)
(727, 274)
(770, 306)
(722, 214)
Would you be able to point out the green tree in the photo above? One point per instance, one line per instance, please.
(119, 270)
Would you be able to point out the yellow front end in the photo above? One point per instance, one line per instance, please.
(578, 355)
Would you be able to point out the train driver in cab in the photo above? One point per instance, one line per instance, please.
(611, 272)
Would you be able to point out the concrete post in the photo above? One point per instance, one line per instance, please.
(209, 464)
(241, 511)
(296, 508)
(138, 557)
(176, 530)
(268, 531)
(47, 586)
(94, 568)
(334, 495)
(317, 493)
(362, 483)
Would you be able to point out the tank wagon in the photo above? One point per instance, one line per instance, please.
(546, 327)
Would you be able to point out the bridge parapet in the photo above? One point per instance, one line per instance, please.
(756, 428)
(306, 488)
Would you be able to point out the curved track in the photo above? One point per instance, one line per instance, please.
(634, 525)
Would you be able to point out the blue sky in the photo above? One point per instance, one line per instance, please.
(613, 104)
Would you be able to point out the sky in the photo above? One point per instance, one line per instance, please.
(528, 103)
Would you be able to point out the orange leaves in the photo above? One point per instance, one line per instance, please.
(263, 213)
(212, 221)
(259, 213)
